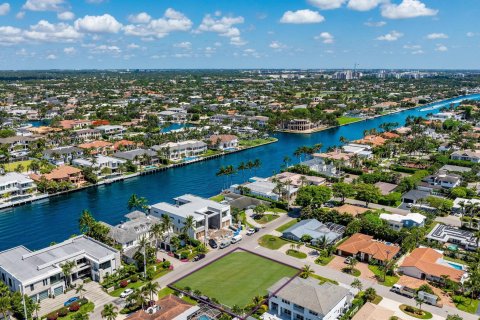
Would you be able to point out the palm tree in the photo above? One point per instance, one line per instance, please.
(306, 272)
(357, 284)
(237, 310)
(5, 306)
(80, 290)
(109, 312)
(138, 203)
(157, 231)
(352, 263)
(142, 244)
(67, 268)
(80, 316)
(188, 224)
(419, 301)
(152, 288)
(36, 308)
(370, 294)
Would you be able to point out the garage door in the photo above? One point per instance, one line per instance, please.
(58, 291)
(43, 295)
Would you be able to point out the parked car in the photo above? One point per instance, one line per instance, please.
(224, 244)
(126, 293)
(236, 239)
(70, 301)
(199, 256)
(213, 244)
(348, 260)
(250, 231)
(403, 290)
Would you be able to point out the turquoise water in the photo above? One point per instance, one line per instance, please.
(455, 266)
(175, 126)
(204, 317)
(55, 219)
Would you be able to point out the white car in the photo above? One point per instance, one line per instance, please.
(250, 232)
(126, 293)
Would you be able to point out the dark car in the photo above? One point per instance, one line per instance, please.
(212, 243)
(199, 257)
(70, 301)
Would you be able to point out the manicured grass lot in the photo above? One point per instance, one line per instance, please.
(346, 120)
(10, 167)
(272, 242)
(389, 280)
(287, 225)
(266, 218)
(236, 278)
(466, 304)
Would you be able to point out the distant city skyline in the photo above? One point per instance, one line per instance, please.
(165, 34)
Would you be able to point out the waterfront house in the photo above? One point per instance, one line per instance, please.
(429, 264)
(176, 151)
(466, 155)
(62, 173)
(97, 147)
(18, 146)
(86, 135)
(372, 140)
(62, 155)
(306, 299)
(207, 214)
(452, 235)
(38, 274)
(317, 230)
(398, 221)
(223, 141)
(138, 156)
(320, 165)
(99, 162)
(262, 187)
(13, 184)
(298, 180)
(74, 124)
(111, 130)
(362, 150)
(367, 249)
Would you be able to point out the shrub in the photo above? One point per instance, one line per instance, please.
(123, 283)
(410, 309)
(74, 307)
(166, 264)
(134, 278)
(82, 301)
(184, 255)
(52, 316)
(195, 243)
(62, 312)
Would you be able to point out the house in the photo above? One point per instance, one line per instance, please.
(385, 187)
(138, 156)
(466, 155)
(331, 232)
(362, 150)
(443, 180)
(111, 130)
(74, 124)
(223, 141)
(14, 184)
(366, 249)
(299, 125)
(38, 274)
(18, 146)
(452, 235)
(62, 155)
(398, 221)
(306, 299)
(460, 203)
(320, 165)
(453, 169)
(97, 147)
(123, 145)
(207, 214)
(429, 264)
(351, 209)
(261, 187)
(62, 173)
(299, 180)
(169, 307)
(413, 196)
(99, 162)
(129, 233)
(371, 311)
(372, 140)
(86, 135)
(179, 150)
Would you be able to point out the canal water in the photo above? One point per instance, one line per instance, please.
(38, 224)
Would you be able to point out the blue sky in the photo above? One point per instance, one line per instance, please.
(78, 34)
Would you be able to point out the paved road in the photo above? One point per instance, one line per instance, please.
(251, 243)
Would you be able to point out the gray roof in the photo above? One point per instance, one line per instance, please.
(452, 168)
(62, 150)
(130, 230)
(26, 265)
(320, 298)
(14, 139)
(131, 154)
(315, 229)
(416, 194)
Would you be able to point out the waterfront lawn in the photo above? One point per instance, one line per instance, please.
(287, 225)
(272, 242)
(236, 278)
(255, 142)
(218, 198)
(389, 280)
(466, 304)
(10, 167)
(346, 120)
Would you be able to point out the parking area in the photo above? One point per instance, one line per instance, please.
(416, 283)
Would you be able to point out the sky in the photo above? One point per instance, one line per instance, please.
(166, 34)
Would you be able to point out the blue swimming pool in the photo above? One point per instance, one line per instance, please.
(455, 266)
(189, 159)
(204, 317)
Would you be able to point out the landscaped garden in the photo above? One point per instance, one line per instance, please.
(272, 242)
(67, 313)
(466, 304)
(389, 281)
(415, 312)
(296, 254)
(236, 279)
(265, 218)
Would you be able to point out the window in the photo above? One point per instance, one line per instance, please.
(10, 282)
(286, 301)
(32, 287)
(3, 277)
(313, 313)
(45, 282)
(105, 265)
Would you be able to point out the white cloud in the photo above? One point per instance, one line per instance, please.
(441, 48)
(391, 36)
(171, 21)
(20, 15)
(51, 57)
(376, 24)
(44, 5)
(250, 53)
(277, 45)
(434, 36)
(223, 26)
(327, 4)
(183, 45)
(4, 8)
(98, 24)
(326, 37)
(471, 34)
(133, 46)
(106, 49)
(10, 35)
(45, 31)
(141, 17)
(69, 50)
(412, 47)
(302, 17)
(364, 5)
(407, 9)
(66, 15)
(418, 52)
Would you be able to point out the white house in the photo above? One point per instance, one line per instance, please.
(466, 155)
(398, 221)
(111, 130)
(15, 184)
(100, 163)
(207, 214)
(39, 275)
(179, 150)
(306, 299)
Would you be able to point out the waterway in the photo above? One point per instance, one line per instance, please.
(55, 219)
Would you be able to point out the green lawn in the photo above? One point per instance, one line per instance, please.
(86, 308)
(466, 304)
(276, 210)
(323, 261)
(236, 278)
(424, 314)
(296, 254)
(389, 280)
(353, 272)
(287, 225)
(166, 291)
(218, 198)
(346, 120)
(255, 142)
(266, 218)
(131, 285)
(323, 279)
(10, 167)
(271, 242)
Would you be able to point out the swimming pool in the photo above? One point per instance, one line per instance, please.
(455, 266)
(189, 159)
(204, 317)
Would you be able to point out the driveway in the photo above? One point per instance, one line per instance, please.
(394, 306)
(416, 283)
(338, 263)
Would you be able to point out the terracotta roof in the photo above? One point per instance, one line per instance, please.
(95, 144)
(366, 244)
(124, 142)
(350, 209)
(426, 260)
(222, 137)
(372, 311)
(390, 135)
(170, 307)
(371, 140)
(61, 172)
